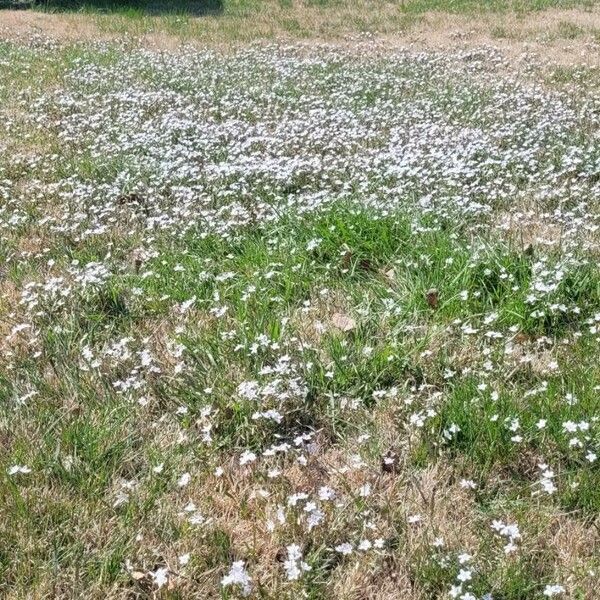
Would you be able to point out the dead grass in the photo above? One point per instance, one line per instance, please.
(559, 36)
(575, 547)
(317, 319)
(446, 511)
(238, 503)
(528, 229)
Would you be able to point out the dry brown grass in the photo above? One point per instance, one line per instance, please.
(314, 321)
(575, 546)
(236, 502)
(560, 36)
(446, 510)
(528, 228)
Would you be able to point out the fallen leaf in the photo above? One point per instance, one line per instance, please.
(343, 322)
(432, 297)
(346, 259)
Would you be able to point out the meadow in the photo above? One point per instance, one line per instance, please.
(297, 317)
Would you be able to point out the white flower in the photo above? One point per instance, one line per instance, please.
(238, 576)
(315, 517)
(197, 519)
(468, 484)
(455, 591)
(365, 545)
(364, 490)
(185, 306)
(294, 565)
(344, 548)
(16, 469)
(160, 577)
(247, 457)
(548, 486)
(553, 590)
(184, 480)
(326, 493)
(511, 531)
(120, 499)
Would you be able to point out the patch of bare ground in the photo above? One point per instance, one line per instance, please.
(555, 36)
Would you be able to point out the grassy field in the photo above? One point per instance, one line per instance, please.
(250, 8)
(297, 321)
(223, 22)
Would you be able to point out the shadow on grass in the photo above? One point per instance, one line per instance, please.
(152, 7)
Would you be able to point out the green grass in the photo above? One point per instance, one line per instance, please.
(236, 21)
(473, 6)
(420, 378)
(137, 8)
